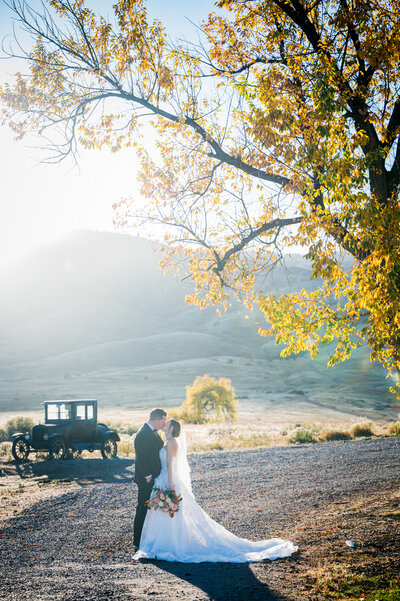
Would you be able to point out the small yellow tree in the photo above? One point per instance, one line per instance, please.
(208, 399)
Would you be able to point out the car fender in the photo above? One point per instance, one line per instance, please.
(111, 434)
(18, 435)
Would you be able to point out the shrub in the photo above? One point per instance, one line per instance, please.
(215, 446)
(335, 435)
(18, 424)
(3, 435)
(314, 428)
(126, 447)
(238, 437)
(175, 414)
(251, 439)
(5, 450)
(301, 435)
(208, 400)
(363, 429)
(394, 429)
(205, 448)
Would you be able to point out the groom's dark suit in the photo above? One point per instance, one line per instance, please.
(147, 462)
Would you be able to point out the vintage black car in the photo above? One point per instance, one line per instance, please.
(69, 425)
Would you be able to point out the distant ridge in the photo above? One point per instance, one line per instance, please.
(92, 315)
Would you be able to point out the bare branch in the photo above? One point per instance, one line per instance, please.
(276, 223)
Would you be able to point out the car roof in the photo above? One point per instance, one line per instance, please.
(70, 401)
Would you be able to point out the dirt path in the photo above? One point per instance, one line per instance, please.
(78, 545)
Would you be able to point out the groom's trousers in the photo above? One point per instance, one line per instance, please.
(144, 493)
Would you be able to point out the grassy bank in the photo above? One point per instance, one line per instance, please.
(328, 569)
(226, 436)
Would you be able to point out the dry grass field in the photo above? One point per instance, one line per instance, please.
(256, 426)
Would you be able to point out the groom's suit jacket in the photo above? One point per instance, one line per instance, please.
(147, 450)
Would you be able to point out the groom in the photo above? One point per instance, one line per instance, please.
(147, 466)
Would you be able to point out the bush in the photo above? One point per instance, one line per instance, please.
(215, 446)
(251, 439)
(208, 400)
(175, 414)
(335, 435)
(18, 424)
(126, 446)
(301, 435)
(363, 429)
(205, 448)
(5, 450)
(3, 435)
(394, 429)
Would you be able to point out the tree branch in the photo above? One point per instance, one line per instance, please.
(359, 109)
(394, 124)
(218, 152)
(335, 228)
(279, 223)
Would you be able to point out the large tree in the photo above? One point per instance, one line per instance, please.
(278, 126)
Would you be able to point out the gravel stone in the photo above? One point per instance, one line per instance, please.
(79, 546)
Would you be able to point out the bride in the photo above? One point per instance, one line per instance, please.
(192, 536)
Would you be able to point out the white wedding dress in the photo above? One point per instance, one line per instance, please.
(191, 536)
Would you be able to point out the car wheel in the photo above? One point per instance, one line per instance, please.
(57, 449)
(20, 449)
(109, 448)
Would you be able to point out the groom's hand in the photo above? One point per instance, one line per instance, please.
(148, 479)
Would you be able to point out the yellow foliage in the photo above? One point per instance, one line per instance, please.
(208, 400)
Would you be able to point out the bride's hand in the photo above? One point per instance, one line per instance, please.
(171, 486)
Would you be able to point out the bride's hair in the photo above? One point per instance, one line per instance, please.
(176, 428)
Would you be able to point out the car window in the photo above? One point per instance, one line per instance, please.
(52, 411)
(90, 412)
(65, 411)
(80, 412)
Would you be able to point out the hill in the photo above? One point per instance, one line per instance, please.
(93, 316)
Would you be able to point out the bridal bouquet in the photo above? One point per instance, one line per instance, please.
(165, 499)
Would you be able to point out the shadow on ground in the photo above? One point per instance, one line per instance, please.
(221, 581)
(96, 470)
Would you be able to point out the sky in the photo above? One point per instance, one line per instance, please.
(40, 202)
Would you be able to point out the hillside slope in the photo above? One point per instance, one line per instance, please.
(92, 315)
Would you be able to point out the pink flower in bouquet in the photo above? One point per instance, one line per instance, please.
(165, 499)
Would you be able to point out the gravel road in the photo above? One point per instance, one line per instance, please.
(78, 546)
